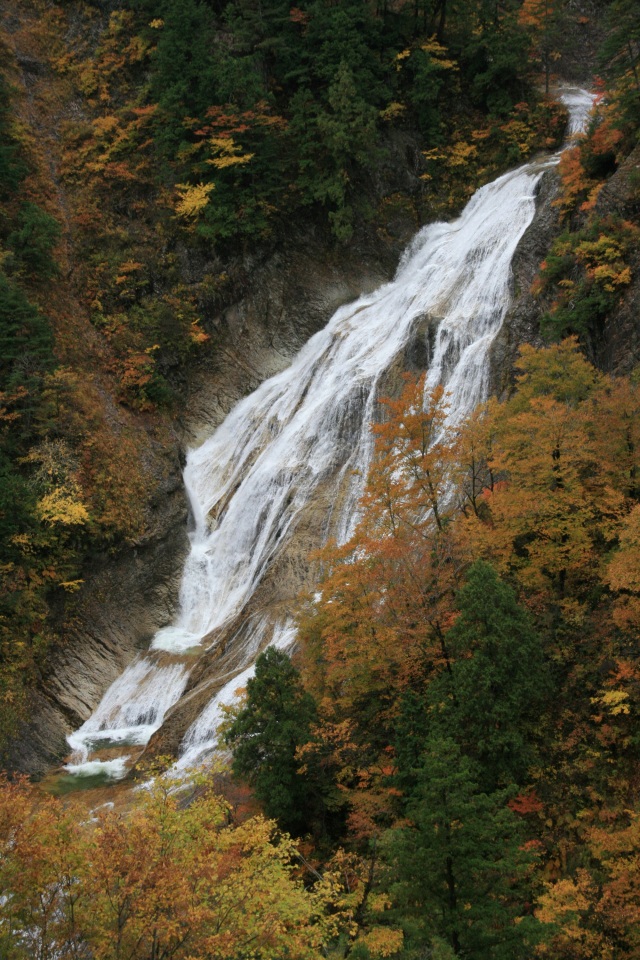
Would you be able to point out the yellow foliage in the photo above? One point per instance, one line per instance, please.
(63, 506)
(460, 153)
(383, 941)
(438, 53)
(71, 586)
(192, 199)
(614, 702)
(197, 334)
(393, 111)
(379, 902)
(228, 153)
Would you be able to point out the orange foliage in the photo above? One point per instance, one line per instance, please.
(595, 912)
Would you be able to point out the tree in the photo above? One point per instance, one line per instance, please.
(491, 698)
(378, 627)
(461, 865)
(542, 20)
(26, 342)
(12, 166)
(495, 47)
(183, 77)
(42, 858)
(594, 912)
(620, 57)
(34, 237)
(168, 879)
(552, 504)
(265, 735)
(345, 132)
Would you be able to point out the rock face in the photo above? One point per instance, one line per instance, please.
(124, 600)
(288, 295)
(291, 570)
(617, 348)
(522, 323)
(286, 299)
(618, 351)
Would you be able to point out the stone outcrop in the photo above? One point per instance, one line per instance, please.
(618, 351)
(522, 323)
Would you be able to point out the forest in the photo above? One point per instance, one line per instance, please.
(447, 766)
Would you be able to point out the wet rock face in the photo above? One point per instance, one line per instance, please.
(522, 323)
(284, 297)
(288, 298)
(616, 349)
(124, 600)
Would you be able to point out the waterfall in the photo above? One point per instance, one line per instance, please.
(307, 427)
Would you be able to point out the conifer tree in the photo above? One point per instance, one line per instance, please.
(490, 699)
(265, 737)
(461, 864)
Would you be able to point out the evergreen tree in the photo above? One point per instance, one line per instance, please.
(26, 341)
(34, 237)
(12, 167)
(183, 77)
(491, 698)
(264, 738)
(620, 57)
(461, 867)
(333, 142)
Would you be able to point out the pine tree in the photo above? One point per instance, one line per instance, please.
(490, 699)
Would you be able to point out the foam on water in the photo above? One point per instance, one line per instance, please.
(130, 711)
(112, 769)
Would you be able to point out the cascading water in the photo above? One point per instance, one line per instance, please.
(309, 425)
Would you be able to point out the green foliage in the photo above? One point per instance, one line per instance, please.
(183, 76)
(490, 700)
(620, 59)
(588, 269)
(12, 166)
(333, 143)
(332, 73)
(494, 57)
(32, 240)
(265, 736)
(461, 866)
(26, 341)
(428, 75)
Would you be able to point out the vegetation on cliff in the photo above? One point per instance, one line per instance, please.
(457, 751)
(473, 659)
(144, 148)
(456, 747)
(591, 265)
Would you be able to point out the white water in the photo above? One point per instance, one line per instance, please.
(248, 483)
(200, 739)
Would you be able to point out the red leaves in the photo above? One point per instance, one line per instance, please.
(526, 803)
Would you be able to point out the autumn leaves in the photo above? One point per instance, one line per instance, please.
(165, 880)
(491, 737)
